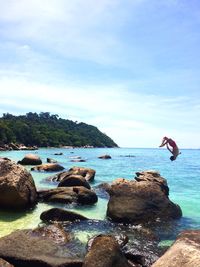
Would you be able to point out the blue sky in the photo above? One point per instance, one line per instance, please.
(129, 67)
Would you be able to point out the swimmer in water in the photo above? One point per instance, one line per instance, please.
(174, 150)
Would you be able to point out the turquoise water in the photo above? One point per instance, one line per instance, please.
(183, 176)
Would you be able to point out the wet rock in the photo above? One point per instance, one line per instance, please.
(105, 252)
(105, 157)
(38, 248)
(74, 180)
(4, 263)
(141, 201)
(48, 167)
(102, 190)
(49, 160)
(58, 154)
(17, 187)
(121, 239)
(75, 194)
(185, 252)
(87, 173)
(56, 214)
(30, 159)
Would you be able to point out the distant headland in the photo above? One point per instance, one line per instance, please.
(35, 130)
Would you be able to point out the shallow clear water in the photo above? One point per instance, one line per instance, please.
(183, 176)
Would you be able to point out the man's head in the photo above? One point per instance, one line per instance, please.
(172, 158)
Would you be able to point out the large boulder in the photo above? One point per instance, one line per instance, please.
(48, 167)
(105, 252)
(74, 180)
(17, 187)
(41, 247)
(185, 252)
(75, 194)
(141, 200)
(56, 214)
(30, 159)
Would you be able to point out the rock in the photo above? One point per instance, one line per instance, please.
(54, 232)
(185, 252)
(58, 154)
(78, 160)
(75, 157)
(105, 252)
(74, 180)
(56, 214)
(4, 263)
(141, 201)
(17, 187)
(30, 159)
(105, 157)
(48, 167)
(121, 239)
(102, 190)
(38, 248)
(87, 173)
(49, 160)
(75, 194)
(153, 176)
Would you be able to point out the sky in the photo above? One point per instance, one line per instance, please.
(129, 67)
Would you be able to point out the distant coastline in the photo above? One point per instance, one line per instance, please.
(34, 130)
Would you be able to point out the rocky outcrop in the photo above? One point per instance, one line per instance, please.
(74, 180)
(30, 159)
(145, 199)
(105, 252)
(17, 188)
(105, 157)
(13, 146)
(56, 214)
(87, 173)
(48, 167)
(75, 194)
(41, 247)
(185, 252)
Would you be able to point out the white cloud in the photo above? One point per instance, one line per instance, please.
(131, 119)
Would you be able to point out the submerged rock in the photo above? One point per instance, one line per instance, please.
(17, 187)
(48, 167)
(141, 201)
(38, 248)
(56, 214)
(30, 159)
(185, 252)
(75, 194)
(105, 252)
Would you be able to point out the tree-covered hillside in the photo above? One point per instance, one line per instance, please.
(49, 130)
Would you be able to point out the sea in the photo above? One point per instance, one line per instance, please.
(182, 175)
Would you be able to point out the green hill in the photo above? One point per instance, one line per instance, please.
(45, 130)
